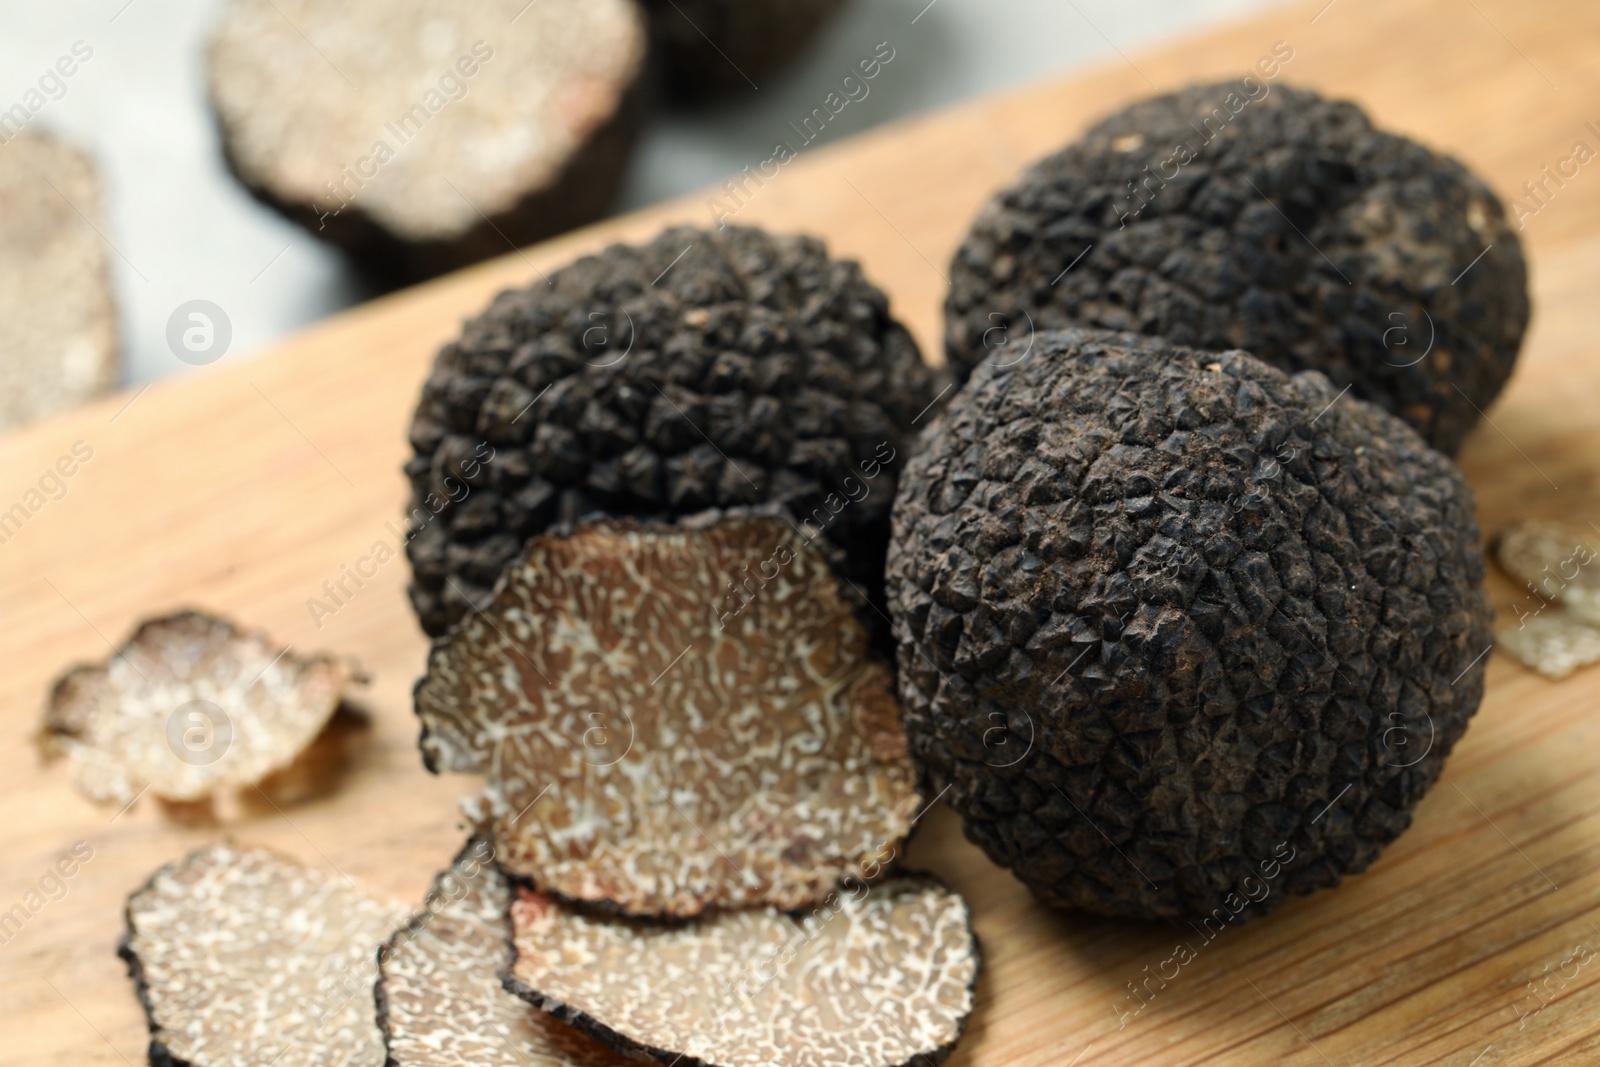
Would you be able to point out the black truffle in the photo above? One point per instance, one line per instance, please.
(702, 370)
(1181, 634)
(1243, 215)
(719, 46)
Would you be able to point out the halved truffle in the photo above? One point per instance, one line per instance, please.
(1247, 215)
(674, 718)
(702, 370)
(245, 956)
(884, 976)
(58, 322)
(188, 706)
(719, 46)
(1182, 634)
(441, 1002)
(422, 135)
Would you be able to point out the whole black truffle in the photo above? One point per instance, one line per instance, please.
(1240, 215)
(701, 370)
(1181, 634)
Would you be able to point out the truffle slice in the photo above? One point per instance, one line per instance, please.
(441, 1002)
(1555, 643)
(884, 976)
(1182, 635)
(674, 718)
(245, 956)
(719, 46)
(423, 135)
(702, 370)
(189, 706)
(1256, 216)
(58, 325)
(1556, 561)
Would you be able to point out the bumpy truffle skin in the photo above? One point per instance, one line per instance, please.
(1284, 225)
(1177, 626)
(701, 370)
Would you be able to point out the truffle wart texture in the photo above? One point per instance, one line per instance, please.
(423, 135)
(720, 46)
(241, 955)
(188, 706)
(1180, 632)
(883, 977)
(1246, 215)
(441, 1002)
(58, 322)
(701, 370)
(675, 718)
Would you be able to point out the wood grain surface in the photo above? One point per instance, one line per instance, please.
(243, 487)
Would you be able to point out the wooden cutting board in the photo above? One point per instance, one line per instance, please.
(242, 488)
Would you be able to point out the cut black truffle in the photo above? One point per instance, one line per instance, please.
(884, 977)
(673, 718)
(702, 370)
(718, 46)
(423, 135)
(1181, 634)
(441, 1002)
(1243, 215)
(245, 956)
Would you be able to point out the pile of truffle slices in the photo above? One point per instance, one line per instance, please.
(1182, 629)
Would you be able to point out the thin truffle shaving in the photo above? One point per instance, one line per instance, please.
(189, 705)
(441, 1002)
(882, 976)
(245, 956)
(1557, 561)
(674, 718)
(1555, 643)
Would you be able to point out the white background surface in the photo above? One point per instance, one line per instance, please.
(182, 229)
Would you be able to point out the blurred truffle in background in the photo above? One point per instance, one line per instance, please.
(718, 46)
(58, 324)
(423, 135)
